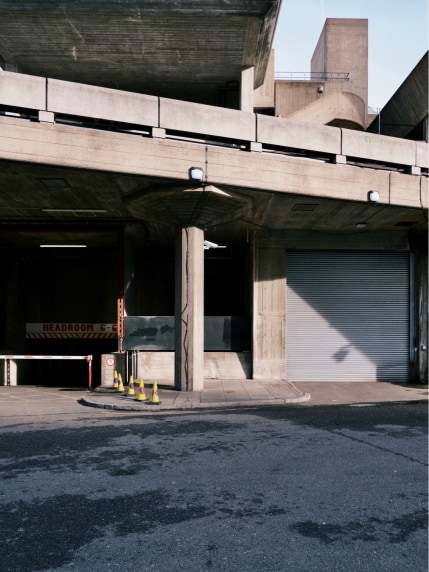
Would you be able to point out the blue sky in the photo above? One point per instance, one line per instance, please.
(397, 38)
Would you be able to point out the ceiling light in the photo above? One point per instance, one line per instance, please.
(304, 207)
(63, 246)
(54, 182)
(78, 211)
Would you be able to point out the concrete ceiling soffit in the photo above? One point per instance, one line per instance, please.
(76, 37)
(136, 7)
(203, 206)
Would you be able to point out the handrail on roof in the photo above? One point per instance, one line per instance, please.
(312, 76)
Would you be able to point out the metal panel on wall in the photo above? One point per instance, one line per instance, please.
(348, 316)
(156, 333)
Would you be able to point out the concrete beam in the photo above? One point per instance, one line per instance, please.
(20, 90)
(206, 120)
(422, 154)
(378, 147)
(285, 133)
(101, 103)
(117, 152)
(408, 190)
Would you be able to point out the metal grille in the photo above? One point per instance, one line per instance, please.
(347, 316)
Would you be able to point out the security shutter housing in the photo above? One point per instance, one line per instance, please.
(348, 316)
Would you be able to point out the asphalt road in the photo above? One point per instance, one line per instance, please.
(294, 489)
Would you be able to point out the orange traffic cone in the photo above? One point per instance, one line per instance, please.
(120, 384)
(141, 393)
(155, 399)
(115, 380)
(131, 386)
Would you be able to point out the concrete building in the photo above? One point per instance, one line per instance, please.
(209, 220)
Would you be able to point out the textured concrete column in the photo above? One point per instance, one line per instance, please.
(189, 303)
(269, 312)
(247, 89)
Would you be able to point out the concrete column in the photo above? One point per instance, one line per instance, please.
(189, 304)
(269, 312)
(422, 362)
(247, 89)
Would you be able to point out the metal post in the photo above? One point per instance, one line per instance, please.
(89, 359)
(8, 372)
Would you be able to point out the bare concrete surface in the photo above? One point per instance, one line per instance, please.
(226, 394)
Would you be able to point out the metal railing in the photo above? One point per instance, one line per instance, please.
(9, 358)
(312, 76)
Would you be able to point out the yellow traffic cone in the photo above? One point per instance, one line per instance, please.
(115, 380)
(141, 393)
(131, 390)
(155, 399)
(120, 384)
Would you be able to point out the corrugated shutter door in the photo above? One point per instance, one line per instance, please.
(347, 316)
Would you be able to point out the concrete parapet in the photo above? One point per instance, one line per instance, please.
(101, 103)
(285, 133)
(20, 90)
(406, 190)
(343, 108)
(422, 154)
(207, 120)
(378, 147)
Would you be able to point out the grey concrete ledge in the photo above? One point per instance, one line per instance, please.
(108, 402)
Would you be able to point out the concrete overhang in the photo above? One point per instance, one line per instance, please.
(189, 49)
(58, 180)
(408, 107)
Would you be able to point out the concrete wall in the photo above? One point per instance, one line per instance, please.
(264, 95)
(343, 47)
(269, 311)
(159, 366)
(338, 108)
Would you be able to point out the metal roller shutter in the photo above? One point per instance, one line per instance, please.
(347, 316)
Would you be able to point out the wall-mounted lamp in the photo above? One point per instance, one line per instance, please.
(196, 174)
(320, 89)
(208, 245)
(373, 196)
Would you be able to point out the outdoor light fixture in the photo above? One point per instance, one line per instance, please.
(360, 224)
(208, 244)
(373, 196)
(196, 174)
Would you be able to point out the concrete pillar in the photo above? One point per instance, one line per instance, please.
(422, 362)
(247, 89)
(189, 304)
(269, 312)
